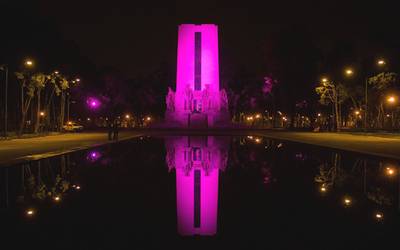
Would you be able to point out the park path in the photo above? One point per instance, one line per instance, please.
(20, 150)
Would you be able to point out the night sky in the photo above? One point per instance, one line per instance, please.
(135, 37)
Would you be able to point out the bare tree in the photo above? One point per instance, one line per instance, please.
(335, 94)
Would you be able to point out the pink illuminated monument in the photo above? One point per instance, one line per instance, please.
(197, 161)
(198, 100)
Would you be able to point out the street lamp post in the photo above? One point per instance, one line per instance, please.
(380, 63)
(366, 105)
(29, 64)
(5, 69)
(68, 107)
(76, 81)
(42, 114)
(392, 100)
(393, 125)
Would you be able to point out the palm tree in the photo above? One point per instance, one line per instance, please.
(28, 89)
(39, 81)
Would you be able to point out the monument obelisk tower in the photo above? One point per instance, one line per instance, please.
(198, 100)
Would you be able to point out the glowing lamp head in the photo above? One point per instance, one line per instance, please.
(42, 113)
(257, 140)
(258, 116)
(30, 212)
(56, 72)
(127, 116)
(319, 114)
(357, 112)
(390, 171)
(324, 80)
(347, 201)
(323, 189)
(379, 216)
(349, 72)
(391, 99)
(57, 198)
(148, 118)
(29, 63)
(381, 62)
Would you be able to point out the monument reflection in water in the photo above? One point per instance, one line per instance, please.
(197, 161)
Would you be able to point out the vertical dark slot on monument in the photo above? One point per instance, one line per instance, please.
(197, 61)
(197, 178)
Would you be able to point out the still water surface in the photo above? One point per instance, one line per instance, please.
(201, 191)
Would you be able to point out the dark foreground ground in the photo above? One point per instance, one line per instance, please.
(263, 194)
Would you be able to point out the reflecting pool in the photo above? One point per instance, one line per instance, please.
(201, 191)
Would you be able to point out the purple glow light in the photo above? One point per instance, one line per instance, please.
(93, 102)
(93, 156)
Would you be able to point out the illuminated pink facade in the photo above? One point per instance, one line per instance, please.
(198, 100)
(197, 161)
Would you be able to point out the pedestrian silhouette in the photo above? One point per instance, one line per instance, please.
(110, 130)
(116, 129)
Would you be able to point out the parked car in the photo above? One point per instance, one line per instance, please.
(72, 127)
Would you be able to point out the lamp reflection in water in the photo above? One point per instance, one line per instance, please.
(93, 155)
(197, 162)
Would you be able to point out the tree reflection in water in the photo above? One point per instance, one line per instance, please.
(365, 179)
(39, 181)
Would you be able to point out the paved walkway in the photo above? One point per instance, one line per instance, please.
(19, 150)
